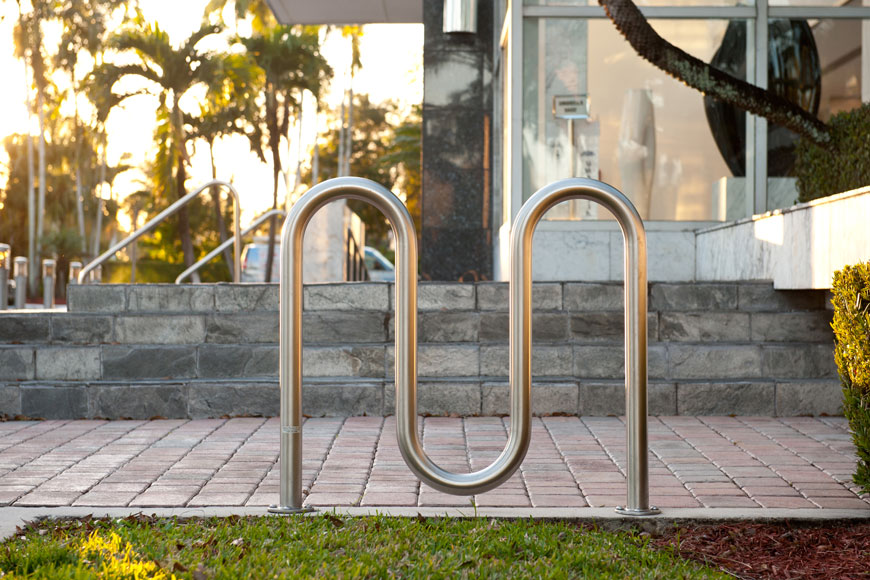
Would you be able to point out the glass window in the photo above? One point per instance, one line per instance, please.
(824, 3)
(646, 134)
(678, 3)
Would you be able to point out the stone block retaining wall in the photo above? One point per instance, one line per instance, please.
(141, 351)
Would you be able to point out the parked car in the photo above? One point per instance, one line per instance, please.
(254, 258)
(379, 267)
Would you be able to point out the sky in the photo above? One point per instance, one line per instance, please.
(386, 74)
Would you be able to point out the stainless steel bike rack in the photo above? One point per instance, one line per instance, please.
(237, 236)
(634, 236)
(290, 350)
(226, 243)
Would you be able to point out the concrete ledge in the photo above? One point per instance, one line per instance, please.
(797, 248)
(606, 518)
(212, 350)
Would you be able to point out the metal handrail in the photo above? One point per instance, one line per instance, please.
(290, 349)
(237, 237)
(226, 243)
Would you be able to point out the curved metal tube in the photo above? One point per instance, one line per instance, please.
(237, 237)
(290, 350)
(634, 236)
(290, 354)
(226, 243)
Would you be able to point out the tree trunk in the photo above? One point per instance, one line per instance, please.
(348, 148)
(31, 199)
(80, 209)
(339, 170)
(275, 146)
(180, 178)
(221, 224)
(40, 209)
(134, 247)
(98, 222)
(183, 215)
(270, 253)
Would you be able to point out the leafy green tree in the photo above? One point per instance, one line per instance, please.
(229, 109)
(29, 46)
(263, 19)
(172, 73)
(62, 239)
(84, 30)
(291, 63)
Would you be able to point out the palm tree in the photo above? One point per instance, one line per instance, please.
(172, 72)
(29, 47)
(263, 19)
(84, 29)
(291, 63)
(228, 109)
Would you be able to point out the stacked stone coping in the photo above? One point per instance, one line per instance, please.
(142, 351)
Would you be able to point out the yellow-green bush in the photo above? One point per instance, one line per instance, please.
(851, 298)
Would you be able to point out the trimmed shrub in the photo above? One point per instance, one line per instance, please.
(844, 166)
(851, 298)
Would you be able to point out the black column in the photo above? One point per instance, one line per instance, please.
(457, 148)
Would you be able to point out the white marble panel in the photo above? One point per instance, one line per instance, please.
(797, 248)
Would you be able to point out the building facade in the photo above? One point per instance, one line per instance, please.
(540, 90)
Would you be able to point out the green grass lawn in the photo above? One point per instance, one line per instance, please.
(331, 547)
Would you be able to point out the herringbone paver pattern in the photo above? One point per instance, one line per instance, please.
(746, 462)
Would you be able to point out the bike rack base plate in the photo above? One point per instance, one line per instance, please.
(288, 510)
(650, 511)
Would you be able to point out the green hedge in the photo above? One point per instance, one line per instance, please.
(843, 166)
(156, 272)
(851, 297)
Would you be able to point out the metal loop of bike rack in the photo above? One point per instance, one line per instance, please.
(226, 243)
(237, 236)
(290, 349)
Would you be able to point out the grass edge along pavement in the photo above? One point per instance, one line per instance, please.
(329, 545)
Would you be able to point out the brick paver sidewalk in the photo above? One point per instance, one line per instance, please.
(743, 462)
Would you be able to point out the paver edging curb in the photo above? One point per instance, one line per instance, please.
(605, 518)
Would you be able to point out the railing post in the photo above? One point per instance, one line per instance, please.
(74, 269)
(20, 274)
(49, 267)
(5, 257)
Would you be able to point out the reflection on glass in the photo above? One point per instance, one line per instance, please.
(827, 3)
(678, 3)
(554, 66)
(651, 135)
(839, 44)
(793, 72)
